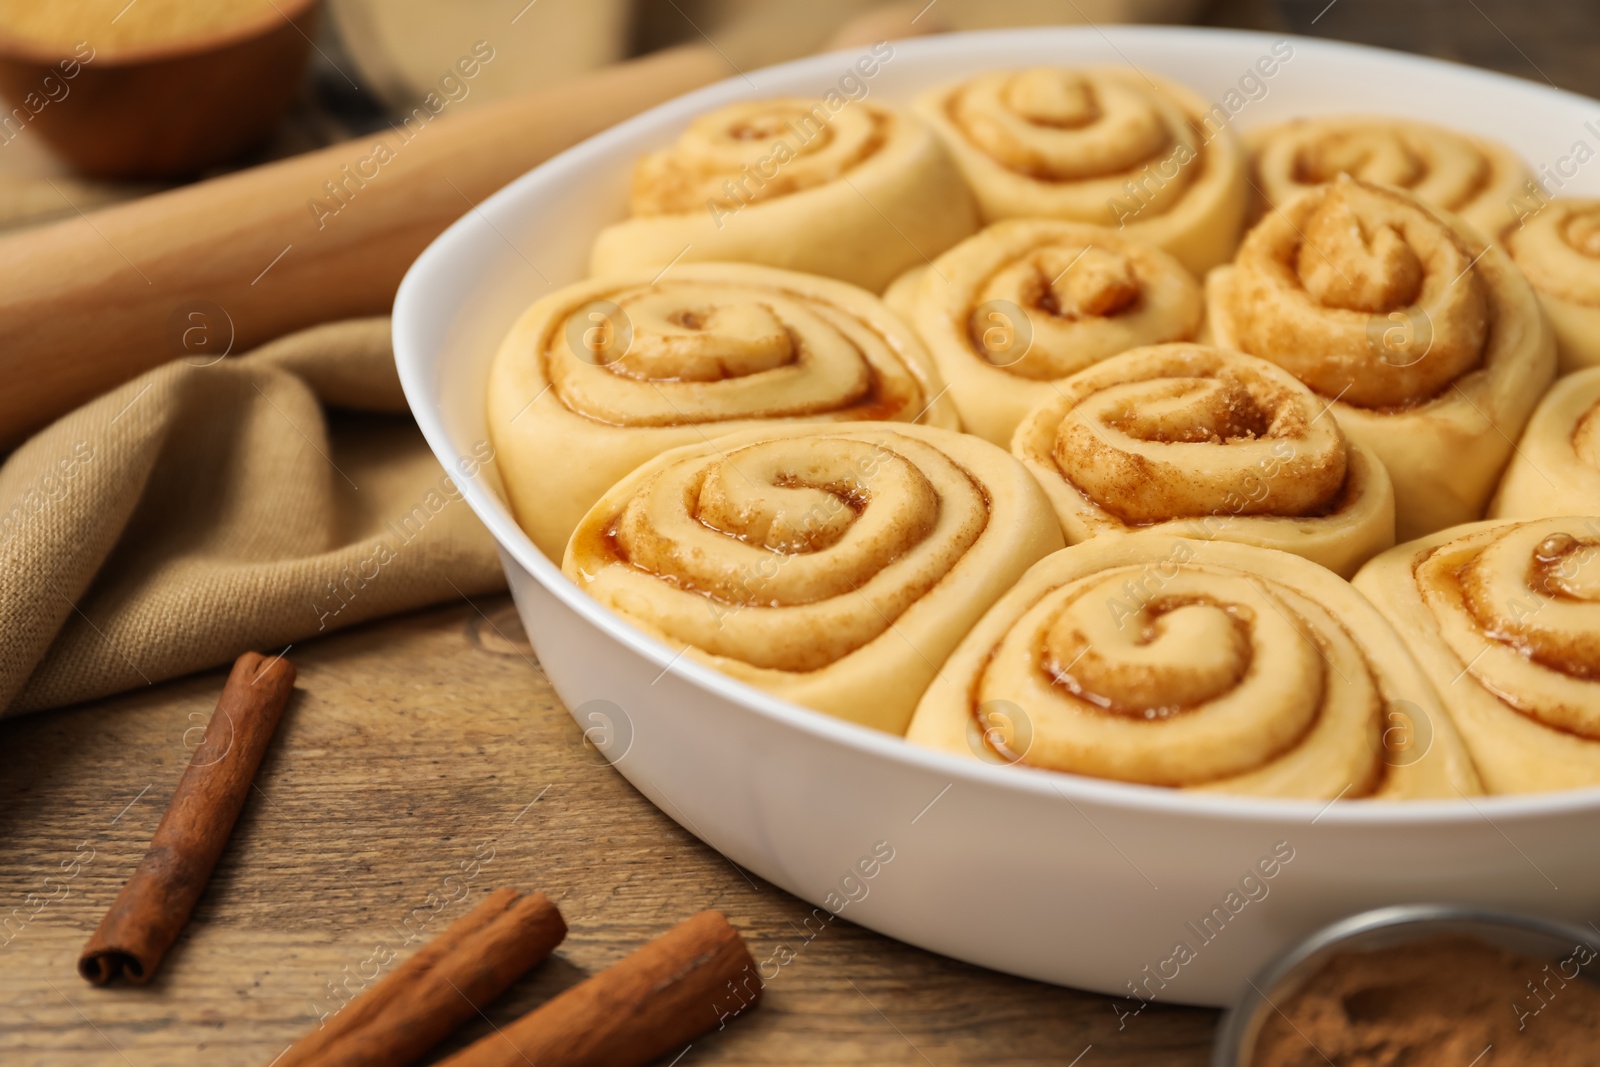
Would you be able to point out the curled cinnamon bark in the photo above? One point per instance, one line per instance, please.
(154, 904)
(420, 1009)
(692, 979)
(375, 1003)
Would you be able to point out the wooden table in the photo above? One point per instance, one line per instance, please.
(424, 741)
(414, 745)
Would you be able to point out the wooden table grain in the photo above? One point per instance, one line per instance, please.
(424, 760)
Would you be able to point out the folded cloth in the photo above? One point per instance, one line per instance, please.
(200, 510)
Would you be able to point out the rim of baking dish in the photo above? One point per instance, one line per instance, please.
(411, 360)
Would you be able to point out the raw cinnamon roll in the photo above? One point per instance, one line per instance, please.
(1505, 618)
(1429, 345)
(1196, 665)
(833, 566)
(1558, 248)
(598, 377)
(1103, 145)
(1012, 310)
(859, 192)
(1472, 177)
(1556, 470)
(1200, 442)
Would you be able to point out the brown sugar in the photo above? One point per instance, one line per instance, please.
(1441, 1002)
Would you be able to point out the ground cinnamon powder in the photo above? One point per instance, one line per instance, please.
(1453, 1001)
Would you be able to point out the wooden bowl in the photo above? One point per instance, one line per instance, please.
(167, 111)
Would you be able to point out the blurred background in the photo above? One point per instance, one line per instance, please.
(111, 99)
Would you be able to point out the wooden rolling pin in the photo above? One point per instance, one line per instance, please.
(88, 303)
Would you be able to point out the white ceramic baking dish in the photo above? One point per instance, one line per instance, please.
(1064, 879)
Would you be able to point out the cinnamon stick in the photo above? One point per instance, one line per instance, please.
(693, 978)
(155, 902)
(431, 1005)
(375, 1002)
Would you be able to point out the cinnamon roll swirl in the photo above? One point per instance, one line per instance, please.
(1556, 470)
(1505, 618)
(1472, 177)
(1103, 145)
(1429, 345)
(1558, 248)
(859, 192)
(598, 377)
(1015, 308)
(833, 566)
(1196, 665)
(1199, 442)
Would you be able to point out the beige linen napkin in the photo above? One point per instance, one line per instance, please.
(201, 510)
